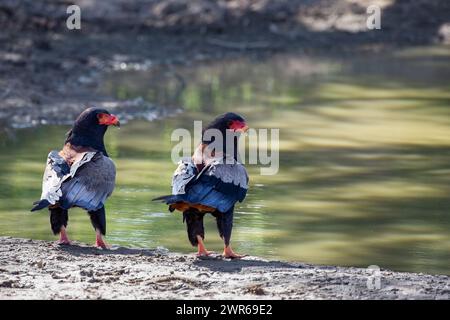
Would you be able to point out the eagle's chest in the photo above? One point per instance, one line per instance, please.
(72, 154)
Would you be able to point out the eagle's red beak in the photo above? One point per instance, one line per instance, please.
(238, 126)
(108, 119)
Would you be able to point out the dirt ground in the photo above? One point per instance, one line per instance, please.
(49, 73)
(32, 269)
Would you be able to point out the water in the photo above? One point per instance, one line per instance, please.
(364, 162)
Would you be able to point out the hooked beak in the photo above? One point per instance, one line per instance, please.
(239, 126)
(108, 120)
(115, 121)
(244, 129)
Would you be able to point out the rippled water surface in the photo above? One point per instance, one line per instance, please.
(364, 159)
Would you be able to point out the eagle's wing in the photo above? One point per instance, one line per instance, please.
(56, 172)
(87, 183)
(228, 177)
(91, 185)
(219, 185)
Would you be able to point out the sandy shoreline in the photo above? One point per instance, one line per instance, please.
(35, 269)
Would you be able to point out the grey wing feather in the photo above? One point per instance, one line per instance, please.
(87, 183)
(230, 171)
(92, 184)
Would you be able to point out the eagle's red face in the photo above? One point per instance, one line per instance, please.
(237, 125)
(108, 119)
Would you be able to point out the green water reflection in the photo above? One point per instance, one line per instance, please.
(364, 160)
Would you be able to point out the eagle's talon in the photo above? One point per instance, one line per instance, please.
(63, 239)
(204, 253)
(228, 253)
(99, 242)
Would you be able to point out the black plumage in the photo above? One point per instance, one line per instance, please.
(194, 224)
(86, 132)
(59, 217)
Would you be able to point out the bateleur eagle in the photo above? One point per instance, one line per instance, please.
(80, 175)
(212, 181)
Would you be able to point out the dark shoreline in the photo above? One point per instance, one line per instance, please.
(49, 73)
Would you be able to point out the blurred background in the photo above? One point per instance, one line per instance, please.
(364, 119)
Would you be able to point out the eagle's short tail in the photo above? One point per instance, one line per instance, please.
(169, 199)
(40, 204)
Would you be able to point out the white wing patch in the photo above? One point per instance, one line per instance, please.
(229, 171)
(184, 173)
(57, 171)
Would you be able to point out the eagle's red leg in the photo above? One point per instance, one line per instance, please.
(229, 253)
(99, 242)
(63, 239)
(201, 248)
(98, 221)
(225, 226)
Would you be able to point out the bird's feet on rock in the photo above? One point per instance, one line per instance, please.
(63, 239)
(204, 253)
(99, 242)
(230, 254)
(64, 242)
